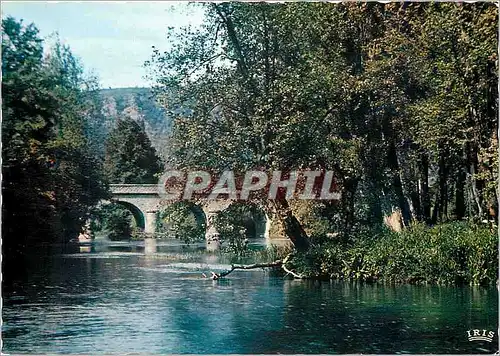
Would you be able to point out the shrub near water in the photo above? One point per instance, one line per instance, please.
(450, 253)
(454, 253)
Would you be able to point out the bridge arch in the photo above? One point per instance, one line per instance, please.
(198, 213)
(250, 216)
(137, 213)
(195, 210)
(142, 200)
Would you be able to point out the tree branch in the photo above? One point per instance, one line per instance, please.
(295, 275)
(277, 263)
(202, 63)
(233, 38)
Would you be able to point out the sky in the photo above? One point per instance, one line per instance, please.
(112, 39)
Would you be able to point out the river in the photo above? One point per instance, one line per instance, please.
(119, 299)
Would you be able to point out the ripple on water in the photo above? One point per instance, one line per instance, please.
(102, 255)
(163, 305)
(187, 268)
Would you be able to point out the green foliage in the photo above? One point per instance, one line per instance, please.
(449, 253)
(130, 157)
(313, 217)
(116, 219)
(237, 224)
(51, 178)
(182, 221)
(399, 100)
(453, 253)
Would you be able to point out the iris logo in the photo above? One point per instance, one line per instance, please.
(480, 335)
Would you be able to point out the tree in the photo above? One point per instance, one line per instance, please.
(398, 99)
(114, 219)
(437, 62)
(50, 178)
(247, 81)
(130, 158)
(183, 221)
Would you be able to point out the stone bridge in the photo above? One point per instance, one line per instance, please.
(144, 202)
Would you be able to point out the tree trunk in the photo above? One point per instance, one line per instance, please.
(350, 187)
(472, 158)
(443, 188)
(460, 195)
(435, 210)
(293, 229)
(375, 192)
(425, 199)
(398, 185)
(417, 208)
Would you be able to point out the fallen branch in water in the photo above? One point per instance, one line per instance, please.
(277, 263)
(295, 275)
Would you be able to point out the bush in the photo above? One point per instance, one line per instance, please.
(454, 253)
(118, 221)
(180, 221)
(237, 224)
(115, 218)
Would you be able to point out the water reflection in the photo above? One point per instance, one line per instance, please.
(169, 245)
(85, 249)
(160, 303)
(150, 246)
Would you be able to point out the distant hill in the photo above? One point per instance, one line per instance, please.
(140, 105)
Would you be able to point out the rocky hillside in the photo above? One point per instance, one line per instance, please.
(139, 104)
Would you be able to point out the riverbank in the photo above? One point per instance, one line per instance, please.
(453, 253)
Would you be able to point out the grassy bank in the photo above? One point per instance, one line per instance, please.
(454, 253)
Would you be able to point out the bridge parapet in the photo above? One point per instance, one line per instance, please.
(134, 189)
